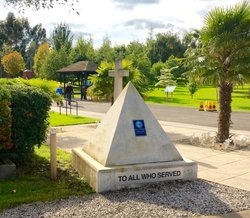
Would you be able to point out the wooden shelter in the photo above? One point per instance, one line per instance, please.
(79, 70)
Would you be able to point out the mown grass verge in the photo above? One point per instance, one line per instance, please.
(181, 97)
(57, 119)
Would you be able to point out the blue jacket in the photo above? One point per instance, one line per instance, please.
(59, 91)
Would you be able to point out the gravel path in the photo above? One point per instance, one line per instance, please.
(166, 199)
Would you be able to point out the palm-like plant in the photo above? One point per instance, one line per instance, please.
(225, 40)
(103, 84)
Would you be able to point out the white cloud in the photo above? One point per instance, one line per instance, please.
(105, 17)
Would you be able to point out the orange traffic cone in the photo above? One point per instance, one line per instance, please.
(208, 106)
(214, 106)
(201, 107)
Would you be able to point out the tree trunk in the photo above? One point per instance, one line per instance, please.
(224, 119)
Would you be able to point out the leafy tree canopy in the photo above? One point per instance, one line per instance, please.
(83, 51)
(13, 63)
(38, 4)
(54, 61)
(165, 45)
(20, 36)
(103, 84)
(40, 58)
(62, 37)
(106, 52)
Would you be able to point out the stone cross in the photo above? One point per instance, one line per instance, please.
(118, 74)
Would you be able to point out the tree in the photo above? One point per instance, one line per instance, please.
(165, 45)
(103, 84)
(156, 70)
(192, 88)
(18, 34)
(166, 78)
(137, 53)
(13, 63)
(29, 55)
(54, 61)
(5, 50)
(37, 37)
(40, 58)
(177, 66)
(84, 50)
(62, 37)
(38, 4)
(15, 32)
(191, 39)
(226, 42)
(105, 52)
(120, 51)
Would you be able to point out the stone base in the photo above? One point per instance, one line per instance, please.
(7, 169)
(104, 179)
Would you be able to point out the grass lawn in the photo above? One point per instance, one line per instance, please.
(33, 181)
(57, 119)
(181, 97)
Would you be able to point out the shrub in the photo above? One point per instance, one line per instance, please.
(30, 107)
(49, 86)
(193, 88)
(5, 120)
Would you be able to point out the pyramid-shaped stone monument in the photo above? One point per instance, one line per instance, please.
(130, 148)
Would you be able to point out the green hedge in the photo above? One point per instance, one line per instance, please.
(29, 108)
(5, 120)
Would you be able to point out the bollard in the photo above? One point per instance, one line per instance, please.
(53, 170)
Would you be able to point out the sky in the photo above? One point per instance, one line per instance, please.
(123, 21)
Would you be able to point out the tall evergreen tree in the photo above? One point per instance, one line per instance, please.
(105, 52)
(62, 37)
(83, 51)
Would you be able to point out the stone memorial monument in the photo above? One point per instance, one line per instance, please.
(129, 148)
(118, 74)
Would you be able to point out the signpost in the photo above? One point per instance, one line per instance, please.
(169, 89)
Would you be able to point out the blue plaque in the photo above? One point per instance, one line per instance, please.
(139, 128)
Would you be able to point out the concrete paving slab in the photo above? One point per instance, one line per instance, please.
(238, 182)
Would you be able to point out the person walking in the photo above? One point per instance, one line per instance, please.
(69, 92)
(83, 93)
(59, 91)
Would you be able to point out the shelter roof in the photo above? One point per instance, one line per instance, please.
(79, 67)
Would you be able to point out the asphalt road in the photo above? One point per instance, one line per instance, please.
(240, 120)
